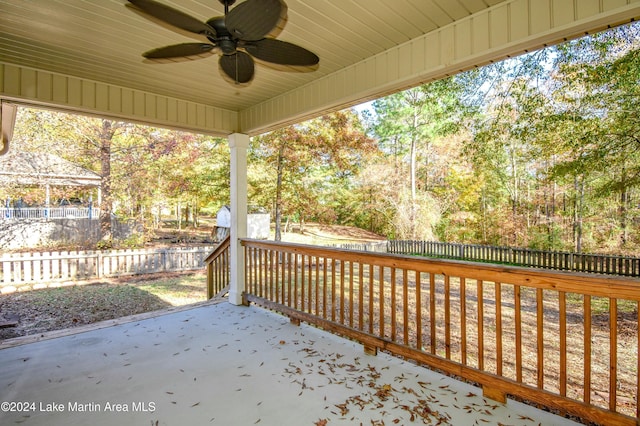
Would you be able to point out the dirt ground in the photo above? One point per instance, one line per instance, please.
(88, 302)
(307, 233)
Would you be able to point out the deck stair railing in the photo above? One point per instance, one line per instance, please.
(566, 341)
(218, 269)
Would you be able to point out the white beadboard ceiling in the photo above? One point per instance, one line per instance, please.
(102, 40)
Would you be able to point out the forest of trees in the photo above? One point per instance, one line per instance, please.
(540, 151)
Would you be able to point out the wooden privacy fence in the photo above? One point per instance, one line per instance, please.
(563, 340)
(378, 247)
(558, 260)
(18, 269)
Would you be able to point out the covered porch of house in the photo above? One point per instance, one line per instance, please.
(222, 364)
(365, 53)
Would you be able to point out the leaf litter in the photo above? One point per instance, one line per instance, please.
(376, 396)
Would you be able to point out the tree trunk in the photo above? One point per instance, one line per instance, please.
(414, 176)
(106, 134)
(278, 218)
(484, 216)
(413, 204)
(179, 216)
(623, 210)
(515, 196)
(578, 186)
(413, 171)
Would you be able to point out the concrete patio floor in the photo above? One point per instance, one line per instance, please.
(219, 364)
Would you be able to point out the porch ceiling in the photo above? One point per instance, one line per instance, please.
(230, 365)
(84, 55)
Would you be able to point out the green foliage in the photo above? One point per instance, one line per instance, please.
(547, 237)
(544, 151)
(134, 241)
(412, 127)
(306, 171)
(104, 245)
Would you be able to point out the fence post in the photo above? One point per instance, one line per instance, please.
(99, 264)
(163, 260)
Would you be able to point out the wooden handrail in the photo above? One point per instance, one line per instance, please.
(218, 269)
(222, 245)
(604, 286)
(526, 332)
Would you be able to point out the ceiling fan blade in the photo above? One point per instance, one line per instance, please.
(238, 67)
(254, 19)
(179, 50)
(173, 16)
(281, 52)
(163, 24)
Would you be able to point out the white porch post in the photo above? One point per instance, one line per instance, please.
(238, 143)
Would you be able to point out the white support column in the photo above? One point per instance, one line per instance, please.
(7, 123)
(238, 143)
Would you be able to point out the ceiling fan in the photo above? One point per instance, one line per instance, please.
(239, 36)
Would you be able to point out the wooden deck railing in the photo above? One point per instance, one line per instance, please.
(218, 273)
(566, 341)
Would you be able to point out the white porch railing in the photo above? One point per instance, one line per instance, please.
(49, 213)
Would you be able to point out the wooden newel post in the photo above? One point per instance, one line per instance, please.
(210, 281)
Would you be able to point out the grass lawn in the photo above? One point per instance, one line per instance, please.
(57, 308)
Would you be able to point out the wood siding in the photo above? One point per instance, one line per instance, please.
(44, 88)
(94, 66)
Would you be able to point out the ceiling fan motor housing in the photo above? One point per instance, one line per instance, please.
(223, 38)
